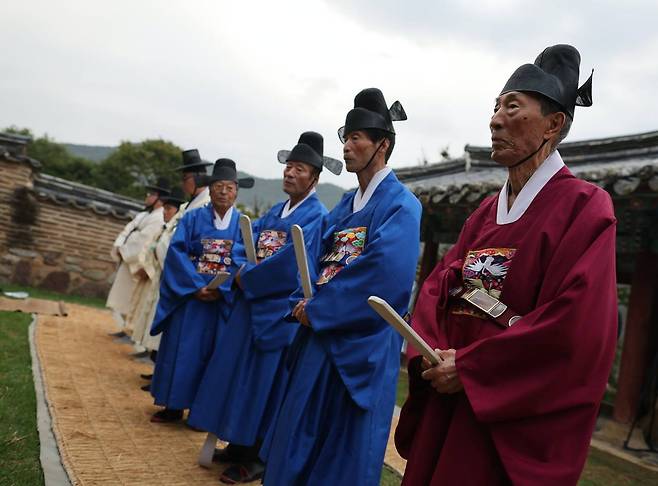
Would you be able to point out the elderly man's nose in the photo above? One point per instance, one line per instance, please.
(495, 123)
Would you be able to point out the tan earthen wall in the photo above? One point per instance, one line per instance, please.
(67, 249)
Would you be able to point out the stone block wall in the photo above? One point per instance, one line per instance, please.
(52, 243)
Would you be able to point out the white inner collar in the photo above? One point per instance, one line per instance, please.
(287, 210)
(222, 223)
(361, 199)
(535, 184)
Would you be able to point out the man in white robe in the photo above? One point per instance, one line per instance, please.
(151, 261)
(126, 249)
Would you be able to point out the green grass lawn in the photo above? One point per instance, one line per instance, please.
(602, 469)
(389, 477)
(19, 440)
(51, 295)
(403, 388)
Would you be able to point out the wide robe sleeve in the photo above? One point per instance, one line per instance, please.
(139, 241)
(179, 277)
(269, 284)
(121, 237)
(147, 260)
(358, 340)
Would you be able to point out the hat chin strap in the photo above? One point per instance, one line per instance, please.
(310, 186)
(373, 157)
(529, 156)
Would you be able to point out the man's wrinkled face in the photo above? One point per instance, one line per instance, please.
(151, 198)
(517, 127)
(298, 177)
(169, 212)
(187, 183)
(223, 194)
(358, 149)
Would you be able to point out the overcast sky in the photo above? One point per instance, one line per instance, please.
(243, 79)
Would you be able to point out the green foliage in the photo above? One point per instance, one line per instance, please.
(19, 440)
(55, 159)
(14, 130)
(132, 165)
(125, 171)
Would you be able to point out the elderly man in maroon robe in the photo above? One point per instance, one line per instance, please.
(522, 310)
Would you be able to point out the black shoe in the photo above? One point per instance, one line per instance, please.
(141, 354)
(167, 415)
(232, 453)
(146, 388)
(146, 377)
(118, 334)
(243, 473)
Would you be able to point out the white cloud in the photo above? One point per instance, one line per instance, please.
(243, 79)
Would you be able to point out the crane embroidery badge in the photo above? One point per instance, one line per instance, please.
(216, 256)
(269, 242)
(485, 269)
(347, 246)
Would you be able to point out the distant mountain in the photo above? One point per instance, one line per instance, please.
(265, 193)
(95, 153)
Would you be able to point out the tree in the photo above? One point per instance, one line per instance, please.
(133, 165)
(124, 171)
(55, 159)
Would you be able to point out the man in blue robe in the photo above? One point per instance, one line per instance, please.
(245, 379)
(333, 424)
(188, 312)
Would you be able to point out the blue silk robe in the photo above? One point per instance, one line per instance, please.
(333, 424)
(245, 380)
(190, 326)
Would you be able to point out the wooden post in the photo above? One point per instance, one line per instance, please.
(428, 260)
(635, 352)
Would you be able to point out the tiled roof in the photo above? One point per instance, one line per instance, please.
(12, 148)
(620, 165)
(81, 196)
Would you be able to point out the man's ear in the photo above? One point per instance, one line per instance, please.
(556, 122)
(384, 146)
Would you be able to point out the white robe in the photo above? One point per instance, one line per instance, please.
(153, 259)
(128, 245)
(147, 291)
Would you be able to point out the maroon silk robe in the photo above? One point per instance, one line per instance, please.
(532, 391)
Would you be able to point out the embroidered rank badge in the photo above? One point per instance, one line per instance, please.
(347, 246)
(485, 269)
(269, 242)
(216, 256)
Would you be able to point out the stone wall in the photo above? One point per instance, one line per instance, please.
(50, 241)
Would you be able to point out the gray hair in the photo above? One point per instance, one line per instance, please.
(548, 107)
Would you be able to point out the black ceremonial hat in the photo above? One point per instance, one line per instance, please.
(370, 111)
(162, 187)
(176, 198)
(555, 76)
(309, 149)
(192, 162)
(224, 170)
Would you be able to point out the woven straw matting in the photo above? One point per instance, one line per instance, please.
(100, 415)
